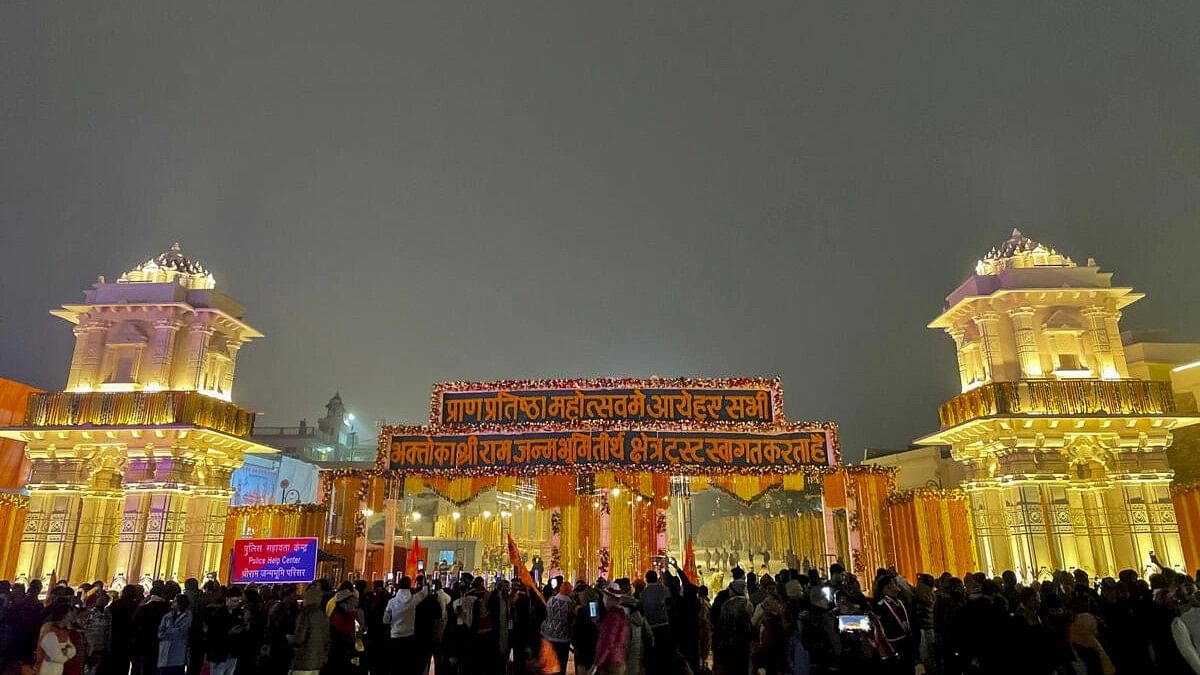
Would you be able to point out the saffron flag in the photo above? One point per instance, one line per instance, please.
(689, 562)
(514, 556)
(414, 554)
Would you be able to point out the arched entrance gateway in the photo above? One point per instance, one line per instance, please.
(609, 477)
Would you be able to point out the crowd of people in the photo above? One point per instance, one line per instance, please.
(665, 623)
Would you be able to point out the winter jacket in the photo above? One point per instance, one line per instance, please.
(401, 612)
(173, 639)
(641, 638)
(654, 605)
(310, 642)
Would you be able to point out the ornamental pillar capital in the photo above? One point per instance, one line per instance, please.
(989, 317)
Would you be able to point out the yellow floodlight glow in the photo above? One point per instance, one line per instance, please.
(1186, 366)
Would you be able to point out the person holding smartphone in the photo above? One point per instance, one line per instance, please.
(897, 646)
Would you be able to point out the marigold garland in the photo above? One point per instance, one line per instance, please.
(1184, 488)
(259, 509)
(12, 499)
(908, 496)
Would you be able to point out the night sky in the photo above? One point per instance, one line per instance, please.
(403, 193)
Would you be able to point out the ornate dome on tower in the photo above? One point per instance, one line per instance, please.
(1020, 251)
(170, 265)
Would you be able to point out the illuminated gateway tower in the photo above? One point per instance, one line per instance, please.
(1064, 454)
(131, 464)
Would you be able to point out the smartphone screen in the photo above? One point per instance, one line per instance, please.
(554, 583)
(854, 622)
(593, 609)
(827, 591)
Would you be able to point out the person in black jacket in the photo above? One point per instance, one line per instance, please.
(145, 625)
(684, 612)
(223, 629)
(897, 642)
(281, 622)
(254, 612)
(121, 635)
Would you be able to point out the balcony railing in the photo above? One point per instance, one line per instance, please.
(1059, 397)
(137, 408)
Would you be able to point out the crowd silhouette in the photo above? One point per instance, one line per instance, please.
(664, 623)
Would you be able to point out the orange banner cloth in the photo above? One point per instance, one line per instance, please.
(514, 556)
(414, 554)
(689, 561)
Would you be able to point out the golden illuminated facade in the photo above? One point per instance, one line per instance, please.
(131, 464)
(1064, 453)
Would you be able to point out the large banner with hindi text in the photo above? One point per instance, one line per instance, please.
(619, 402)
(786, 450)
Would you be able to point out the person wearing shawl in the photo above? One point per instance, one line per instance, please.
(613, 641)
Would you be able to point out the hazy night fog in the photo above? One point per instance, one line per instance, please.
(403, 193)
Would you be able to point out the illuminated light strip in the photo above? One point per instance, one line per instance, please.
(1186, 366)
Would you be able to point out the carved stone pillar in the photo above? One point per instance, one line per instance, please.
(1112, 327)
(188, 372)
(1026, 338)
(989, 342)
(162, 351)
(227, 377)
(1098, 340)
(965, 375)
(208, 505)
(99, 517)
(88, 355)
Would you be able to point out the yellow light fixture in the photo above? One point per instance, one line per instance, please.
(456, 515)
(416, 515)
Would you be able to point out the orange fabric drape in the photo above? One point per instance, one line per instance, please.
(869, 490)
(14, 467)
(835, 490)
(931, 533)
(555, 490)
(1187, 513)
(13, 509)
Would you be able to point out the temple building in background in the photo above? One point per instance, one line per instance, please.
(1062, 430)
(131, 463)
